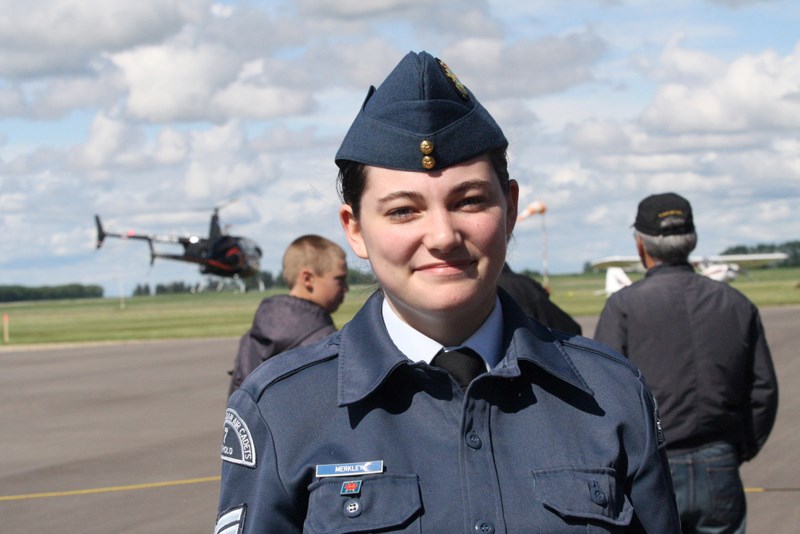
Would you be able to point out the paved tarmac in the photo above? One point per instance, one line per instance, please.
(124, 437)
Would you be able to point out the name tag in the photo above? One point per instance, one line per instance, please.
(348, 470)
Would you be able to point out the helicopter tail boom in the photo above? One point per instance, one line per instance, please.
(101, 234)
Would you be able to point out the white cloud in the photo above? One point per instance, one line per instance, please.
(760, 91)
(66, 35)
(109, 142)
(175, 81)
(357, 8)
(222, 166)
(569, 177)
(525, 68)
(680, 63)
(253, 95)
(172, 147)
(597, 214)
(739, 3)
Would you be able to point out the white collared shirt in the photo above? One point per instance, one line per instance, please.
(487, 340)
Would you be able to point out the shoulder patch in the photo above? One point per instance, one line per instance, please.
(237, 442)
(231, 521)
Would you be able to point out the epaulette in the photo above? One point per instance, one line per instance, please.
(569, 341)
(288, 363)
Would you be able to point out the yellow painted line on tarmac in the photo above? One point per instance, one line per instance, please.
(762, 490)
(109, 489)
(201, 480)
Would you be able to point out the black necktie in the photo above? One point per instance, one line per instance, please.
(463, 365)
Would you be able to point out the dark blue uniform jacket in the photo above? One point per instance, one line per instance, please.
(561, 436)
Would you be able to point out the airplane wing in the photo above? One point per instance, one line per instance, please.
(746, 261)
(723, 268)
(624, 262)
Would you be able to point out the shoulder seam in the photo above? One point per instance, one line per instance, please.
(611, 356)
(320, 354)
(289, 373)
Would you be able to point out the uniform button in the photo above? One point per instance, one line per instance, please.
(484, 527)
(474, 440)
(598, 497)
(352, 508)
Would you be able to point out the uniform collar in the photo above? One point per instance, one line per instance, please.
(367, 354)
(669, 267)
(486, 341)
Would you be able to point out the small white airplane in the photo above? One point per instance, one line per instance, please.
(724, 268)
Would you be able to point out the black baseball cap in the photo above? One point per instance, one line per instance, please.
(664, 214)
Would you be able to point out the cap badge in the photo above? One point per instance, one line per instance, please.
(670, 213)
(460, 88)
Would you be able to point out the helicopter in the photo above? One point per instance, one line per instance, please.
(218, 254)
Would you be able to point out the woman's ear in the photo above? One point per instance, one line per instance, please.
(352, 229)
(512, 199)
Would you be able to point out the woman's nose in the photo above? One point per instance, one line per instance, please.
(442, 232)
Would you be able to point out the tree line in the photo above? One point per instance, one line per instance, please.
(68, 291)
(268, 281)
(790, 248)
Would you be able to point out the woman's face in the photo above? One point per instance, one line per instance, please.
(436, 241)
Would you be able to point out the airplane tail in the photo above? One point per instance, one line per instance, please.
(616, 279)
(721, 272)
(101, 234)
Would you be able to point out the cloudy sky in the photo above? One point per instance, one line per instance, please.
(150, 113)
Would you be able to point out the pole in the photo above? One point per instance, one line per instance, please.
(5, 328)
(545, 280)
(121, 295)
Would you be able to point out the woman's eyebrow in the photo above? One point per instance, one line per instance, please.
(472, 184)
(394, 195)
(416, 196)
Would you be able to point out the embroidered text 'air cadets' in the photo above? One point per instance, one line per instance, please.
(237, 441)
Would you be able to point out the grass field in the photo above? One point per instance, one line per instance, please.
(230, 314)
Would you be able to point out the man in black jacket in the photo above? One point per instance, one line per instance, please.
(701, 347)
(535, 301)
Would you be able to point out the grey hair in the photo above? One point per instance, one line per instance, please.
(668, 249)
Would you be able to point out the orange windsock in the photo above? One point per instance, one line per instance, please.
(535, 208)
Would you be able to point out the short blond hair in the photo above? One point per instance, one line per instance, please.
(310, 252)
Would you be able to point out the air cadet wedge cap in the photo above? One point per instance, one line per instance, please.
(664, 214)
(421, 118)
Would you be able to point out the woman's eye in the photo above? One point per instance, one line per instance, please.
(398, 214)
(473, 201)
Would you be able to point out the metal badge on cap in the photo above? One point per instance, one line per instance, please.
(460, 88)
